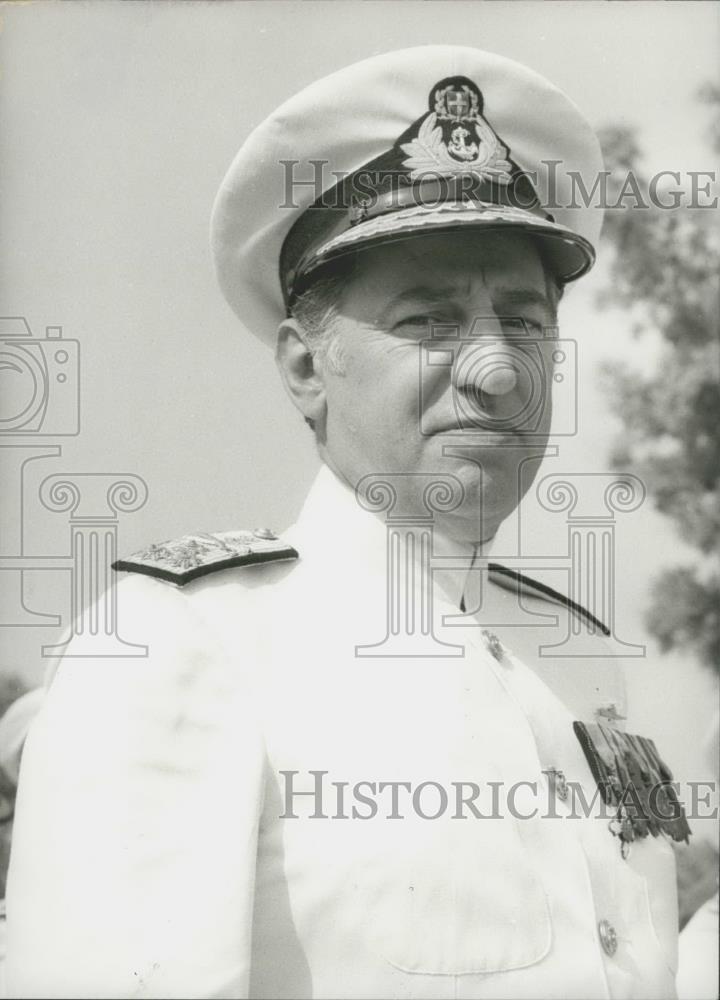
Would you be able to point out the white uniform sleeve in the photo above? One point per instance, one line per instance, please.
(135, 837)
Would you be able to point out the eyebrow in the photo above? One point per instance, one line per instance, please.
(419, 293)
(521, 297)
(505, 296)
(425, 293)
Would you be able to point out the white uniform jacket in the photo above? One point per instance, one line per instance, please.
(151, 859)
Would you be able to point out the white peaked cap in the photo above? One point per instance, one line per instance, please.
(422, 140)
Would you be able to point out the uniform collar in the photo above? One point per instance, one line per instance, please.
(333, 524)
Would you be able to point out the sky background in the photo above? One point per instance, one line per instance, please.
(118, 121)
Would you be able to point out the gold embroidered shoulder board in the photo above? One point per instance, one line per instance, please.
(184, 559)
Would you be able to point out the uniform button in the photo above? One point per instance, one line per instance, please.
(608, 937)
(265, 533)
(493, 644)
(559, 783)
(609, 712)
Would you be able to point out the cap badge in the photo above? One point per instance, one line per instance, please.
(454, 138)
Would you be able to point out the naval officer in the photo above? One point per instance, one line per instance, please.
(292, 796)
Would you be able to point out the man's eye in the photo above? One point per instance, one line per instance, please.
(520, 326)
(421, 319)
(424, 324)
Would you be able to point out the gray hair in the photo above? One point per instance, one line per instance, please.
(316, 310)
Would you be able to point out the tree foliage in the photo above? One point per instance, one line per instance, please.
(664, 270)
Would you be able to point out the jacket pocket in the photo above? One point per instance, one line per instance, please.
(462, 901)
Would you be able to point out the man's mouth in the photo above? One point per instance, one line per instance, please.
(499, 434)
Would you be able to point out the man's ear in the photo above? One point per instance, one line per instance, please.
(301, 375)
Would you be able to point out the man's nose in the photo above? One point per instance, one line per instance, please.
(487, 365)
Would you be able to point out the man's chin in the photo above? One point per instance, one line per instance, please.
(490, 478)
(471, 525)
(493, 472)
(491, 492)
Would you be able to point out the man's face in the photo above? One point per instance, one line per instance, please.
(393, 406)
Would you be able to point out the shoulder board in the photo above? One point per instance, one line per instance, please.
(512, 580)
(184, 559)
